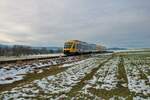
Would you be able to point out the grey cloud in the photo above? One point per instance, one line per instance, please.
(51, 22)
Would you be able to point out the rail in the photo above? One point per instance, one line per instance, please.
(27, 58)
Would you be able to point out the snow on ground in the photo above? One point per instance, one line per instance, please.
(65, 80)
(141, 98)
(110, 80)
(137, 82)
(142, 64)
(146, 70)
(56, 85)
(12, 73)
(104, 78)
(117, 98)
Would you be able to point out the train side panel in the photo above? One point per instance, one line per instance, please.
(79, 47)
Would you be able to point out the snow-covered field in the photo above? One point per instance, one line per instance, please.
(11, 73)
(138, 73)
(123, 76)
(55, 86)
(104, 79)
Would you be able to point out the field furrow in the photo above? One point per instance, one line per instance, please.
(54, 86)
(118, 76)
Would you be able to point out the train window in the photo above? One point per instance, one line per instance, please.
(77, 46)
(68, 45)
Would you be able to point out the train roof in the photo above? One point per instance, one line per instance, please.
(85, 42)
(75, 41)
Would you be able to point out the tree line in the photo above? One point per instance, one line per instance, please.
(19, 50)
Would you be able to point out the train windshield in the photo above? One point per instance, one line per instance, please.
(68, 45)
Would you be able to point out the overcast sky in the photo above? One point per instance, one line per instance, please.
(114, 23)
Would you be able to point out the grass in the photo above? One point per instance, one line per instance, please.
(135, 59)
(31, 77)
(120, 90)
(82, 83)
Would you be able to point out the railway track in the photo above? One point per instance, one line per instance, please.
(39, 57)
(28, 58)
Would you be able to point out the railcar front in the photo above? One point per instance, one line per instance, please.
(70, 47)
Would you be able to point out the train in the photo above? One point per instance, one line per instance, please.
(72, 47)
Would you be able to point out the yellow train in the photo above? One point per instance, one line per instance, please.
(79, 47)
